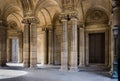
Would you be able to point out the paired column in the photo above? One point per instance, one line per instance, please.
(81, 48)
(64, 46)
(74, 46)
(50, 46)
(30, 42)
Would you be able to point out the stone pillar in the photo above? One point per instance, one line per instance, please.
(44, 48)
(8, 50)
(33, 44)
(50, 46)
(81, 48)
(3, 43)
(26, 46)
(74, 46)
(64, 46)
(20, 59)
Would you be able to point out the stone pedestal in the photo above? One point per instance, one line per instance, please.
(81, 48)
(74, 46)
(64, 46)
(50, 46)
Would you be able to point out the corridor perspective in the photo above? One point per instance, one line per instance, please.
(59, 40)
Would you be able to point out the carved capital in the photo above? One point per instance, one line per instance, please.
(69, 15)
(116, 3)
(30, 20)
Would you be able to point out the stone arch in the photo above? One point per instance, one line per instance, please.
(96, 22)
(55, 19)
(57, 38)
(96, 15)
(45, 12)
(42, 4)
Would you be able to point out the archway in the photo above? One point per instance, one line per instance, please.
(97, 37)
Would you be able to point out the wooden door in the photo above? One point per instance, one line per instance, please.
(97, 48)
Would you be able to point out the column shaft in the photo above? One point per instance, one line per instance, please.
(8, 50)
(3, 44)
(50, 48)
(81, 48)
(26, 47)
(33, 45)
(44, 48)
(74, 46)
(64, 46)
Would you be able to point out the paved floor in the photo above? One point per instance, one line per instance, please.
(50, 73)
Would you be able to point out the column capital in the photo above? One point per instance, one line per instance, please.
(63, 17)
(30, 20)
(68, 15)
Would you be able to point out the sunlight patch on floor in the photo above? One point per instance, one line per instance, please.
(4, 74)
(15, 64)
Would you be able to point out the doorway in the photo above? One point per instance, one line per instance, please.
(14, 50)
(97, 48)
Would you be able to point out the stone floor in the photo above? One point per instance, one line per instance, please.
(50, 73)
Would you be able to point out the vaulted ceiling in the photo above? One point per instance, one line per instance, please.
(15, 10)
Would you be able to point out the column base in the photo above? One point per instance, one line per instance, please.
(33, 66)
(26, 65)
(74, 69)
(50, 64)
(64, 68)
(81, 65)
